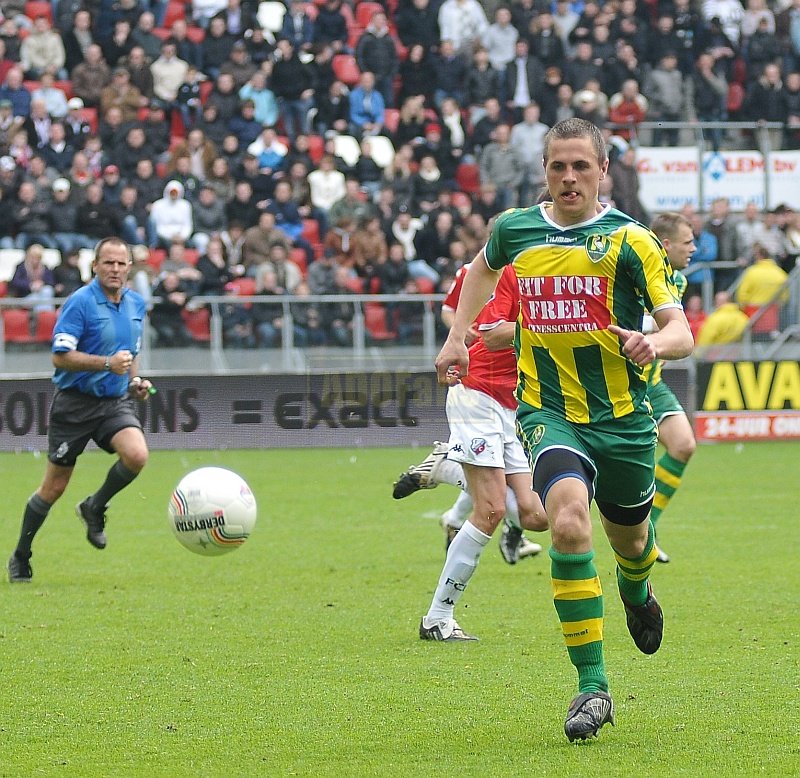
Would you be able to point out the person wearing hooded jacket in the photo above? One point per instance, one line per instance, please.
(171, 217)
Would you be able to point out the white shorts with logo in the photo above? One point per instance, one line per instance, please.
(483, 432)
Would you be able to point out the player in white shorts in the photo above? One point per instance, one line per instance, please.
(483, 450)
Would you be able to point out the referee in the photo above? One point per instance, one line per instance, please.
(95, 345)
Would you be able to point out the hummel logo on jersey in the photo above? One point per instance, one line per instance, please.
(560, 239)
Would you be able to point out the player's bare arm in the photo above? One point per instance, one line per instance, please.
(499, 337)
(672, 341)
(480, 282)
(119, 363)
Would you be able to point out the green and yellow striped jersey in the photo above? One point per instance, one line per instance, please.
(652, 372)
(574, 282)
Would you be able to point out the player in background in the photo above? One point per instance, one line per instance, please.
(586, 274)
(95, 346)
(483, 442)
(432, 470)
(674, 429)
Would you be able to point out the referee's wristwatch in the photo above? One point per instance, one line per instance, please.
(107, 364)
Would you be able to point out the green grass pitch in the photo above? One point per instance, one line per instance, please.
(298, 653)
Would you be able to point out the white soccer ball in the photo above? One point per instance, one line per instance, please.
(212, 511)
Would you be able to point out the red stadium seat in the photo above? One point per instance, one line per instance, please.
(175, 11)
(162, 33)
(244, 287)
(205, 90)
(468, 177)
(34, 8)
(45, 323)
(198, 324)
(65, 87)
(316, 148)
(391, 118)
(3, 288)
(425, 285)
(155, 258)
(355, 285)
(89, 115)
(192, 256)
(769, 321)
(461, 200)
(311, 10)
(16, 325)
(365, 11)
(345, 69)
(376, 322)
(298, 256)
(196, 34)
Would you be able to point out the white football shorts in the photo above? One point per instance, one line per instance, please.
(483, 432)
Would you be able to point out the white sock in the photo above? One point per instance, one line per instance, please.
(452, 473)
(459, 513)
(462, 559)
(512, 508)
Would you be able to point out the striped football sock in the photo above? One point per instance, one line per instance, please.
(578, 598)
(632, 574)
(669, 472)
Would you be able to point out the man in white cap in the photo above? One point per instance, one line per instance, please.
(64, 219)
(76, 126)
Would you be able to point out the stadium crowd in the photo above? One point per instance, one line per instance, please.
(332, 148)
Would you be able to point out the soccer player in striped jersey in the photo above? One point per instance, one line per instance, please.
(674, 429)
(586, 273)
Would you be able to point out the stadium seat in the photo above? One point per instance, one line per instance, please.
(196, 34)
(51, 257)
(461, 200)
(311, 11)
(3, 288)
(243, 287)
(9, 259)
(345, 69)
(355, 285)
(198, 324)
(85, 259)
(425, 285)
(769, 321)
(45, 323)
(311, 231)
(382, 150)
(34, 8)
(192, 256)
(16, 325)
(365, 11)
(175, 11)
(298, 256)
(354, 32)
(316, 148)
(156, 258)
(391, 119)
(205, 90)
(346, 147)
(468, 177)
(162, 33)
(65, 86)
(31, 86)
(270, 15)
(376, 322)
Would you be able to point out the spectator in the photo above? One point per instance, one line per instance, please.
(29, 216)
(308, 325)
(14, 91)
(333, 110)
(321, 275)
(762, 283)
(77, 40)
(548, 96)
(749, 230)
(204, 10)
(367, 170)
(171, 216)
(392, 273)
(544, 39)
(417, 75)
(268, 316)
(483, 129)
(503, 165)
(180, 170)
(270, 153)
(426, 184)
(482, 82)
(238, 65)
(367, 107)
(369, 247)
(297, 27)
(258, 241)
(288, 219)
(286, 270)
(432, 245)
(725, 324)
(766, 102)
(219, 179)
(707, 250)
(138, 65)
(33, 280)
(722, 48)
(10, 125)
(450, 73)
(627, 107)
(418, 24)
(565, 20)
(791, 137)
(147, 182)
(327, 184)
(376, 54)
(20, 150)
(625, 191)
(500, 41)
(709, 91)
(293, 85)
(338, 316)
(208, 217)
(722, 226)
(245, 126)
(90, 77)
(63, 215)
(238, 17)
(217, 47)
(237, 321)
(58, 153)
(463, 22)
(54, 99)
(330, 26)
(119, 45)
(583, 67)
(522, 79)
(666, 92)
(233, 240)
(200, 150)
(143, 38)
(188, 100)
(42, 51)
(264, 100)
(134, 220)
(213, 267)
(435, 145)
(185, 48)
(96, 218)
(37, 125)
(528, 138)
(132, 150)
(67, 275)
(727, 15)
(177, 262)
(166, 315)
(77, 128)
(695, 315)
(169, 72)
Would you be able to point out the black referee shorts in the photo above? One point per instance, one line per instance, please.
(76, 418)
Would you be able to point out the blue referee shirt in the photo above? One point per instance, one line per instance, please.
(90, 323)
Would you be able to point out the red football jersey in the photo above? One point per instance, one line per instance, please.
(491, 372)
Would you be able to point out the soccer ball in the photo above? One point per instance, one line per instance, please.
(212, 511)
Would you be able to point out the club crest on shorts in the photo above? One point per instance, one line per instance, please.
(478, 446)
(597, 246)
(538, 434)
